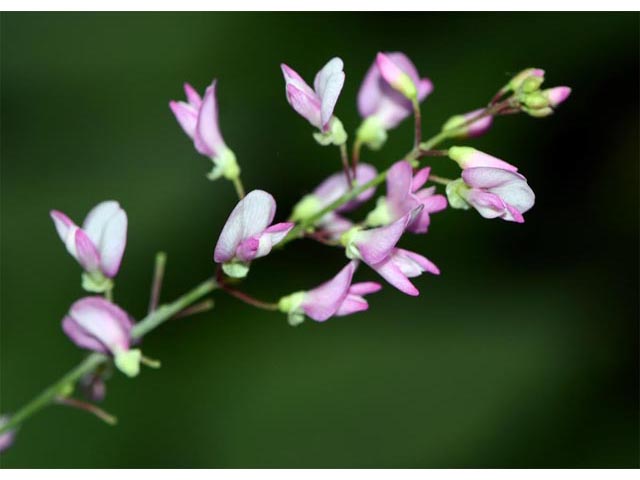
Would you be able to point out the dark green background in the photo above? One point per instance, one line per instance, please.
(523, 353)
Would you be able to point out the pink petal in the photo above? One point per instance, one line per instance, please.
(420, 178)
(81, 338)
(307, 106)
(292, 77)
(352, 304)
(485, 177)
(186, 115)
(399, 181)
(86, 252)
(328, 85)
(336, 185)
(96, 220)
(392, 274)
(208, 140)
(106, 225)
(376, 244)
(364, 288)
(105, 322)
(389, 70)
(62, 223)
(323, 301)
(193, 97)
(250, 217)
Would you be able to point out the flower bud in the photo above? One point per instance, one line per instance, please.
(531, 84)
(556, 95)
(335, 135)
(474, 129)
(518, 81)
(396, 77)
(372, 133)
(535, 100)
(468, 157)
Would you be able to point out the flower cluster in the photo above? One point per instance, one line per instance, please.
(392, 91)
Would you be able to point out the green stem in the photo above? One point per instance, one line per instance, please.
(237, 183)
(91, 362)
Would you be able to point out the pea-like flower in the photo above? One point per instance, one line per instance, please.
(330, 190)
(96, 324)
(404, 194)
(248, 233)
(377, 248)
(469, 157)
(381, 105)
(493, 192)
(318, 103)
(6, 438)
(99, 245)
(198, 117)
(337, 297)
(458, 127)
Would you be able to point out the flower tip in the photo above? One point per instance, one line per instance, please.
(558, 95)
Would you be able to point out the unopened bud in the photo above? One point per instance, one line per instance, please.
(556, 95)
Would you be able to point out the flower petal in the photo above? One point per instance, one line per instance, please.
(388, 270)
(323, 301)
(486, 177)
(96, 220)
(86, 252)
(113, 243)
(250, 217)
(328, 84)
(186, 115)
(292, 77)
(376, 244)
(193, 97)
(308, 106)
(62, 223)
(208, 140)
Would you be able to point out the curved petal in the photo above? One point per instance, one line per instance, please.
(328, 84)
(186, 116)
(486, 177)
(377, 244)
(63, 224)
(193, 97)
(103, 321)
(96, 220)
(292, 77)
(336, 185)
(251, 216)
(113, 243)
(392, 274)
(208, 140)
(86, 252)
(308, 106)
(323, 301)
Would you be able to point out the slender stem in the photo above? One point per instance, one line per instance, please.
(92, 361)
(87, 407)
(433, 153)
(355, 155)
(344, 155)
(237, 183)
(108, 293)
(440, 180)
(418, 123)
(156, 284)
(242, 296)
(199, 307)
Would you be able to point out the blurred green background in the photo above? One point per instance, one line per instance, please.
(523, 353)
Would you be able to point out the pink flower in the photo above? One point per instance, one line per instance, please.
(404, 195)
(556, 95)
(386, 95)
(199, 120)
(377, 248)
(377, 98)
(475, 129)
(97, 324)
(99, 245)
(493, 192)
(317, 104)
(6, 438)
(330, 190)
(468, 157)
(247, 235)
(337, 297)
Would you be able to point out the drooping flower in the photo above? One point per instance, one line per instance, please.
(469, 157)
(99, 245)
(493, 192)
(337, 297)
(457, 124)
(330, 190)
(377, 248)
(199, 120)
(404, 195)
(382, 106)
(96, 324)
(317, 104)
(6, 438)
(248, 233)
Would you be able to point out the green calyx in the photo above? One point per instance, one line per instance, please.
(290, 305)
(456, 194)
(372, 133)
(455, 126)
(336, 135)
(128, 362)
(460, 154)
(306, 208)
(405, 86)
(380, 215)
(235, 269)
(96, 282)
(348, 241)
(225, 165)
